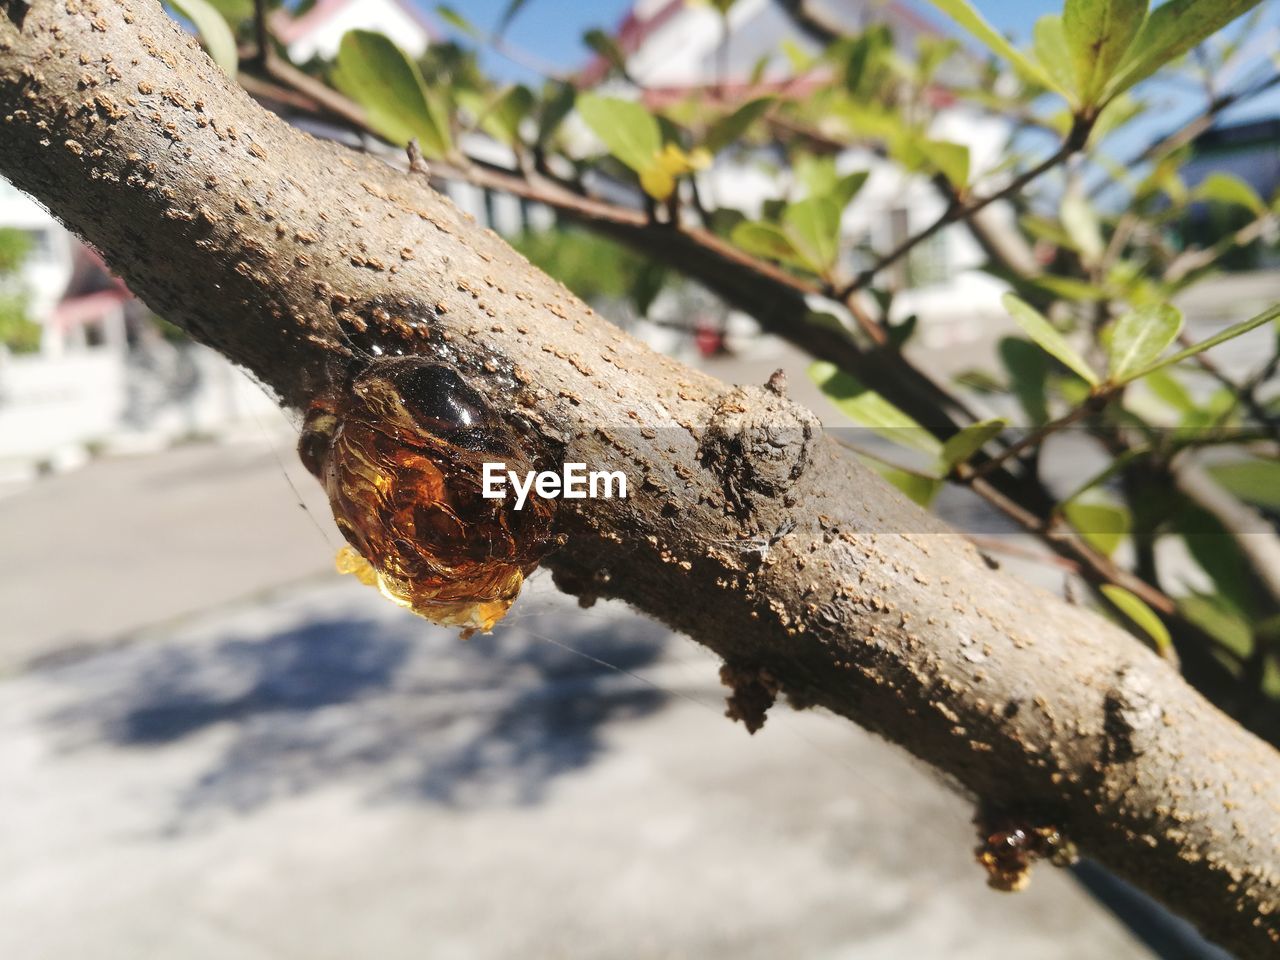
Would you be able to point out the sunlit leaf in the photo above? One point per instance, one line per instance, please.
(1050, 340)
(1103, 525)
(626, 128)
(379, 76)
(1230, 189)
(1069, 288)
(1141, 614)
(813, 226)
(950, 159)
(1218, 620)
(730, 128)
(1254, 481)
(848, 187)
(607, 48)
(1099, 33)
(1170, 31)
(868, 408)
(214, 31)
(1053, 52)
(921, 489)
(1233, 331)
(1139, 337)
(959, 448)
(1169, 391)
(456, 20)
(1081, 224)
(765, 240)
(502, 119)
(963, 13)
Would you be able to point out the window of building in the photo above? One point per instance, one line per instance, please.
(927, 263)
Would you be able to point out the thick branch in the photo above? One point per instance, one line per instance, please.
(273, 247)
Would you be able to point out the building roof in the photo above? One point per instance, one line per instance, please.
(639, 24)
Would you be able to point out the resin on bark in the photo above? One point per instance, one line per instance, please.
(401, 457)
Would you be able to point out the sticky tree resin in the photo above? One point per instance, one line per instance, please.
(401, 458)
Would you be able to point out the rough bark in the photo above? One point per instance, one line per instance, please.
(746, 527)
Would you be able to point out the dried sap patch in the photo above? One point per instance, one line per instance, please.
(401, 457)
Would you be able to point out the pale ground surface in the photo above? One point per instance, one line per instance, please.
(310, 773)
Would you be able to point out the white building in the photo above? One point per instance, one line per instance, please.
(319, 31)
(673, 48)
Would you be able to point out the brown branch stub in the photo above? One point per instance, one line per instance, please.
(753, 690)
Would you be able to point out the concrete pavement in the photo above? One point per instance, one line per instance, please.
(308, 772)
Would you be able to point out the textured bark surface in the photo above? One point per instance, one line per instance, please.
(746, 527)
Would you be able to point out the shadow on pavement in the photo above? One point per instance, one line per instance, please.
(401, 709)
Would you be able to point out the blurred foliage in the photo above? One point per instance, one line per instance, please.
(18, 332)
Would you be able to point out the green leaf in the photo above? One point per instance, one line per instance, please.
(1217, 619)
(513, 9)
(950, 159)
(1099, 33)
(1141, 614)
(1103, 525)
(649, 280)
(765, 240)
(963, 13)
(1169, 391)
(730, 128)
(458, 21)
(1028, 368)
(379, 76)
(502, 119)
(1069, 288)
(607, 48)
(959, 448)
(1230, 189)
(625, 127)
(1230, 333)
(1139, 337)
(848, 187)
(233, 11)
(1254, 481)
(214, 31)
(1081, 224)
(813, 227)
(871, 410)
(920, 489)
(558, 100)
(1170, 31)
(1053, 52)
(1049, 339)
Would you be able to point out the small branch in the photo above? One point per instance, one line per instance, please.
(963, 211)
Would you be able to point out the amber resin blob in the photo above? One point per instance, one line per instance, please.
(401, 458)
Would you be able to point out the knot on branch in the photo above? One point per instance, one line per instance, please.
(758, 443)
(1129, 716)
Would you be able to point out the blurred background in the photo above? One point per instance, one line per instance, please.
(212, 746)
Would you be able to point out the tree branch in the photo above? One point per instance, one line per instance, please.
(279, 250)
